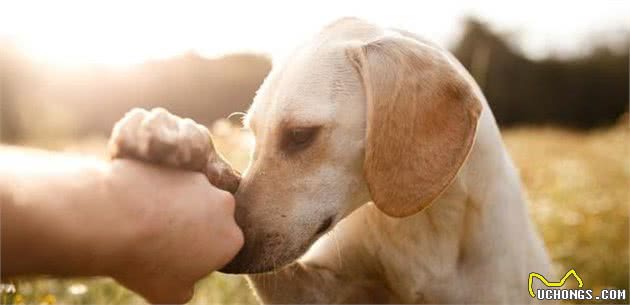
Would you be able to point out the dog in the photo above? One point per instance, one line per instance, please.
(378, 176)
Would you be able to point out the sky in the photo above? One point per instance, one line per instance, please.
(127, 32)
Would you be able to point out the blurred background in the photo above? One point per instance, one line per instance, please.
(554, 73)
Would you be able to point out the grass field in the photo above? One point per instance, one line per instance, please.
(578, 186)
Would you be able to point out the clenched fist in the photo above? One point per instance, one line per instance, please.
(185, 229)
(160, 137)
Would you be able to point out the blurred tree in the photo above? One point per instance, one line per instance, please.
(587, 91)
(189, 85)
(88, 100)
(9, 119)
(580, 92)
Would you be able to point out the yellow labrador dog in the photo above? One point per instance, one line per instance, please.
(383, 140)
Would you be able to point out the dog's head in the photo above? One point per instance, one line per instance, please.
(359, 114)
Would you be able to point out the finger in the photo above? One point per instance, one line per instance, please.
(162, 291)
(195, 145)
(124, 134)
(171, 296)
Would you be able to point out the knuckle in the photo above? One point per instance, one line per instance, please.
(158, 136)
(236, 240)
(193, 136)
(136, 112)
(131, 119)
(169, 292)
(161, 115)
(175, 141)
(123, 139)
(201, 181)
(228, 201)
(159, 124)
(185, 296)
(239, 237)
(158, 150)
(233, 242)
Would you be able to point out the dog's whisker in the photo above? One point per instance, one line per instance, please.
(233, 114)
(334, 236)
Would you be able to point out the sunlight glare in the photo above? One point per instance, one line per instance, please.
(75, 32)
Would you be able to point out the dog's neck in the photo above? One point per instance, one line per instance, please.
(472, 222)
(455, 232)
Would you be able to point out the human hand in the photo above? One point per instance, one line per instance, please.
(160, 137)
(182, 228)
(154, 229)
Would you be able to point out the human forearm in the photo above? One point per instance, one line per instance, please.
(155, 230)
(44, 229)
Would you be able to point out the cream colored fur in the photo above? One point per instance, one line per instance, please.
(401, 123)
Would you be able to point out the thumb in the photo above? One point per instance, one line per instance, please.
(164, 291)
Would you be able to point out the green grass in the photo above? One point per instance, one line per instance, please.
(578, 192)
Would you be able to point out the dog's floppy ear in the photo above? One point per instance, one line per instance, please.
(422, 116)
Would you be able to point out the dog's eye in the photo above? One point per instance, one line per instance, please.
(299, 138)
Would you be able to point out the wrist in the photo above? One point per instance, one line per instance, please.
(86, 226)
(116, 232)
(96, 241)
(120, 183)
(85, 220)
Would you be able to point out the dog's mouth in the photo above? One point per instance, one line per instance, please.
(249, 260)
(265, 254)
(324, 226)
(245, 263)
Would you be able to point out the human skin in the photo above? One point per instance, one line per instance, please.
(155, 230)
